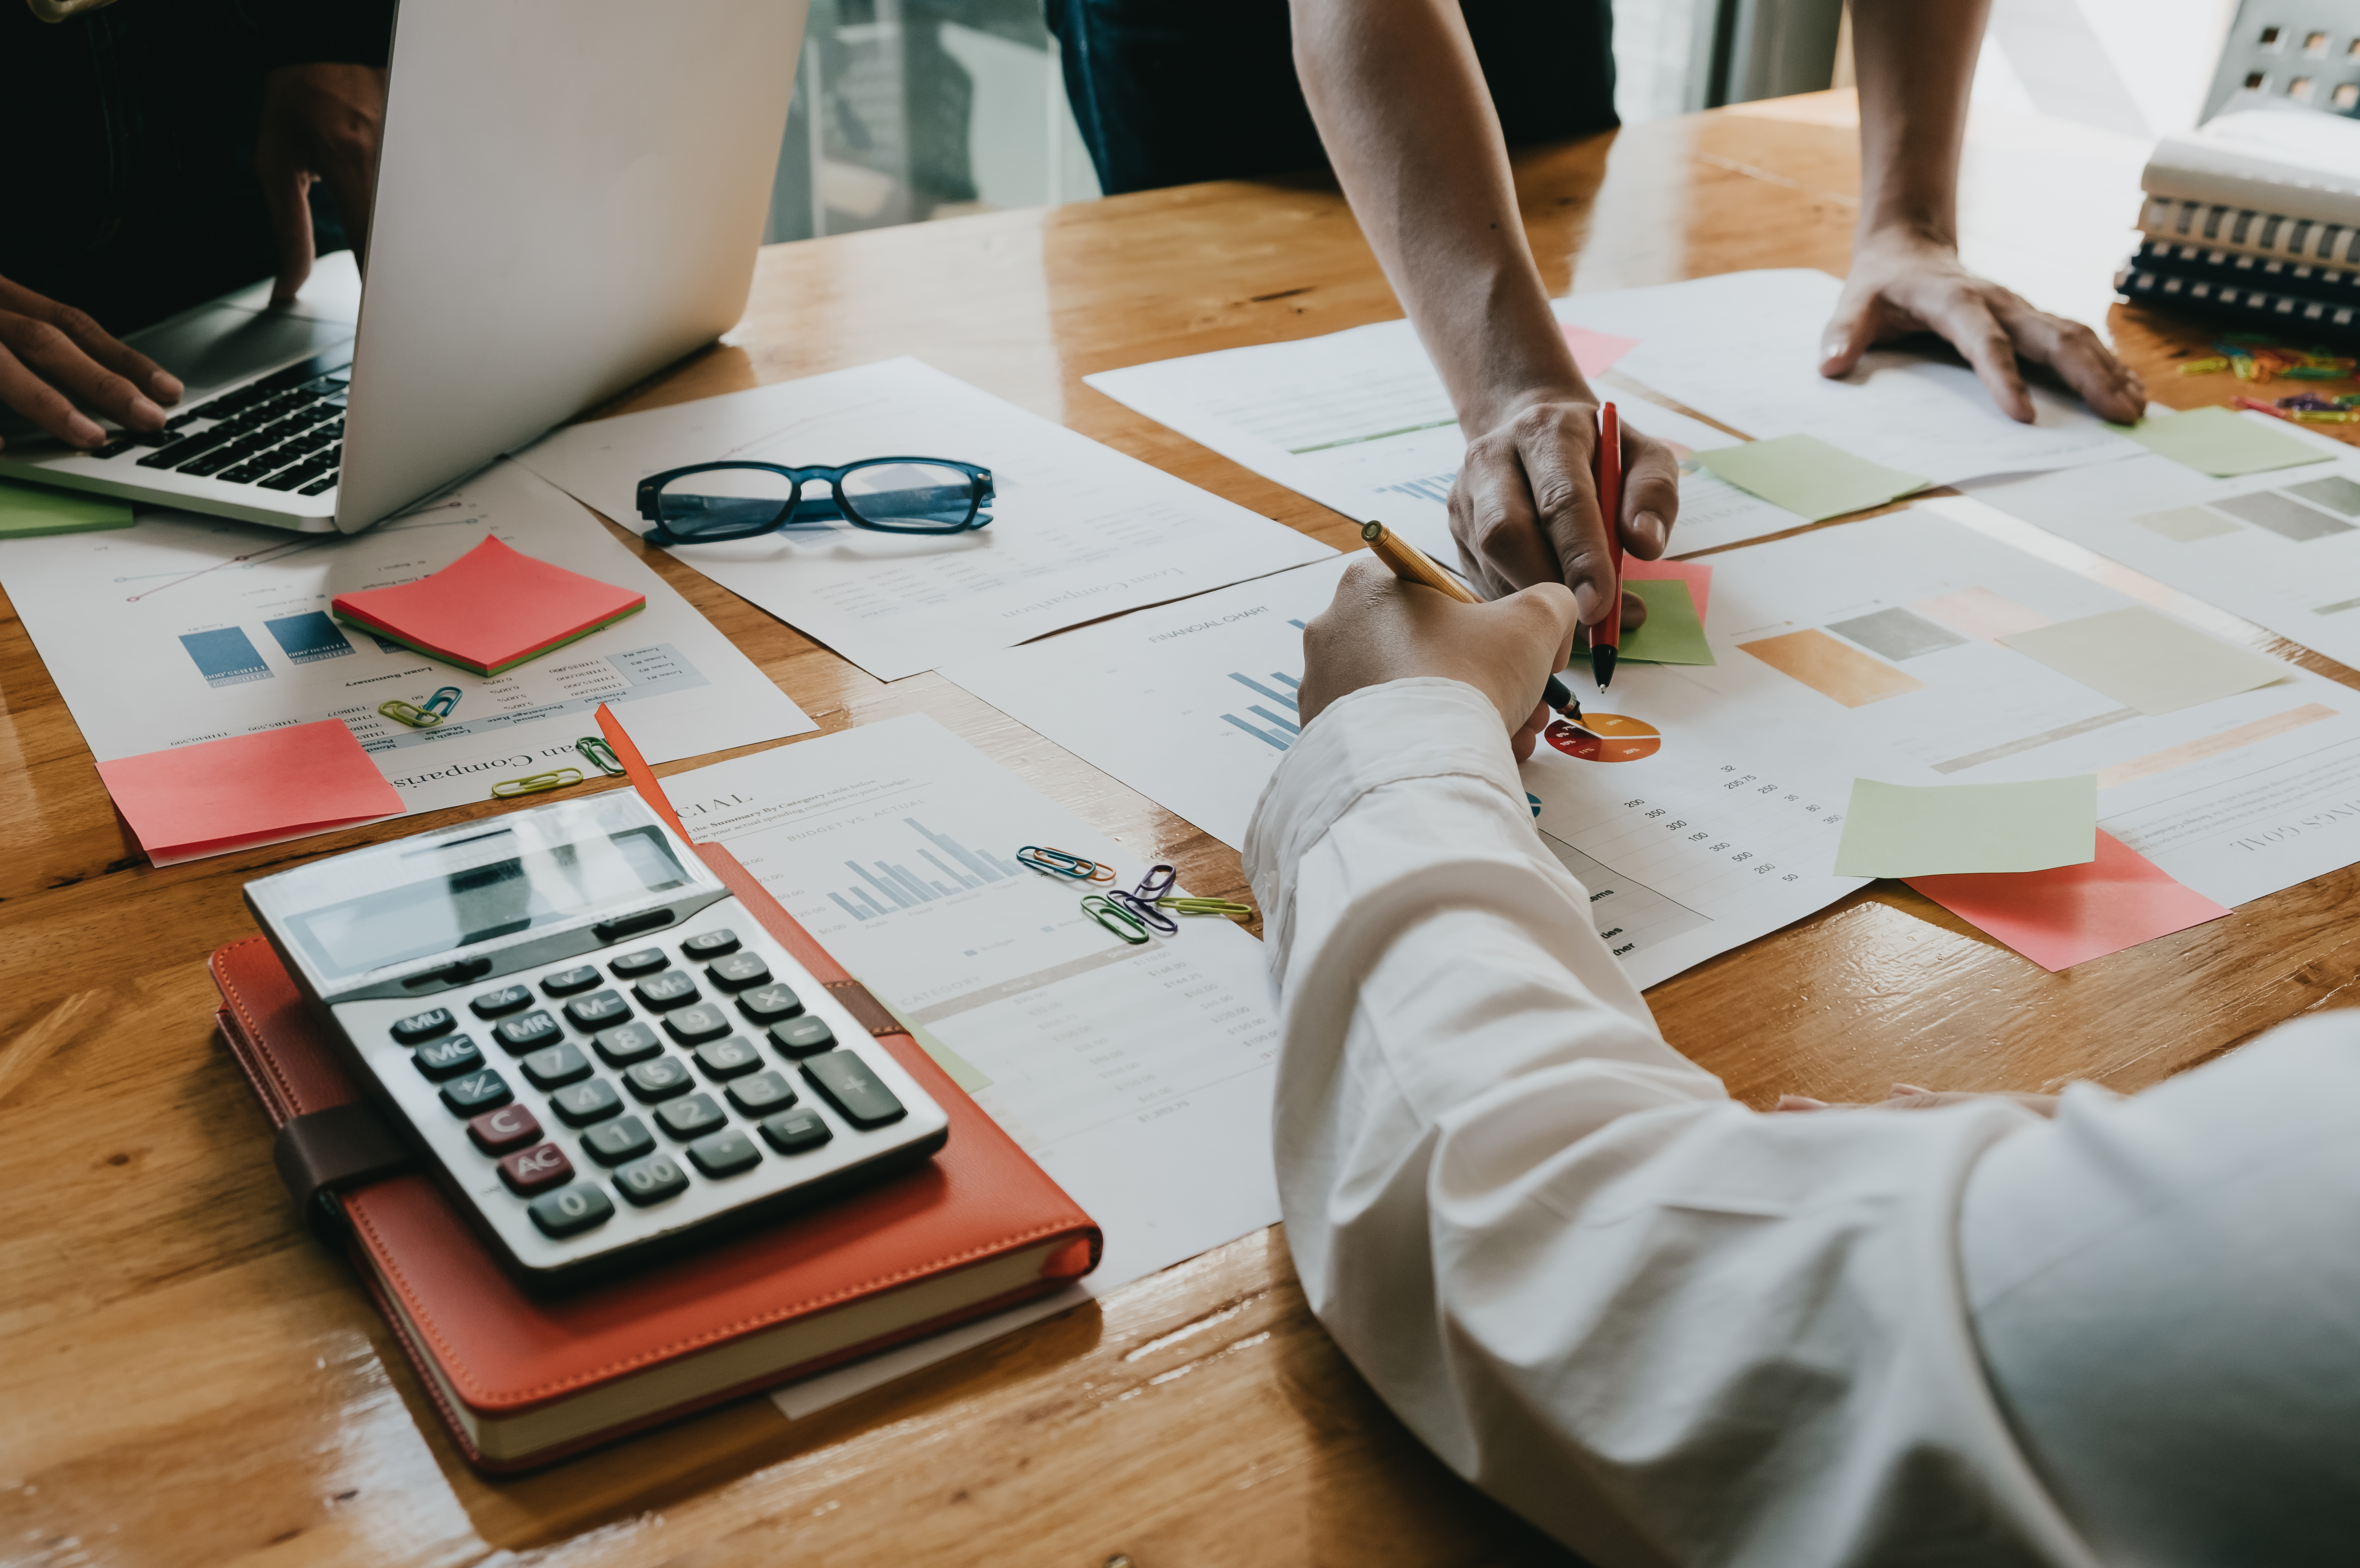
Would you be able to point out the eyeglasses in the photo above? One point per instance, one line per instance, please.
(709, 502)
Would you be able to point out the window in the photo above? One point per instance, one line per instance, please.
(2315, 45)
(2347, 96)
(2257, 80)
(2300, 89)
(2270, 38)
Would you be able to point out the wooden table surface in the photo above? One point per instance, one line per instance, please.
(186, 1378)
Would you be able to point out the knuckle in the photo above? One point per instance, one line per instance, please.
(74, 322)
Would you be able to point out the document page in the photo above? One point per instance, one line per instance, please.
(2280, 549)
(1078, 531)
(1359, 420)
(1688, 842)
(1139, 1077)
(186, 628)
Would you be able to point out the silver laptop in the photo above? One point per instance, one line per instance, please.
(570, 195)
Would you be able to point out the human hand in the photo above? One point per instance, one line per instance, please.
(319, 122)
(53, 357)
(1909, 1097)
(1525, 509)
(1379, 628)
(1903, 283)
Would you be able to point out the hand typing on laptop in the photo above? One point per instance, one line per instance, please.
(55, 362)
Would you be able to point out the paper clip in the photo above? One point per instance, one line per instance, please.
(1155, 884)
(1144, 911)
(1206, 907)
(1058, 863)
(534, 783)
(595, 750)
(1115, 918)
(445, 698)
(409, 713)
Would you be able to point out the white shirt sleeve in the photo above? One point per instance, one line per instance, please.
(1663, 1327)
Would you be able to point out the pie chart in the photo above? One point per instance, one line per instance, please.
(1606, 737)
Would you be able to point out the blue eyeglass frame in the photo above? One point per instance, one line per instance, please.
(816, 511)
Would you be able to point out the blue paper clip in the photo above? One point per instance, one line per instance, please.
(534, 783)
(409, 713)
(601, 755)
(1155, 884)
(1058, 863)
(445, 698)
(1146, 913)
(1115, 918)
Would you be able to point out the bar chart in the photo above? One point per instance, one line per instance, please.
(888, 886)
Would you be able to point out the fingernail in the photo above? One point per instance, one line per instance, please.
(83, 432)
(143, 412)
(1585, 603)
(1799, 1103)
(1653, 530)
(165, 387)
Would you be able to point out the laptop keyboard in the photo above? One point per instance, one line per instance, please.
(285, 431)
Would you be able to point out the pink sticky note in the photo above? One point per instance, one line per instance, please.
(1696, 574)
(1596, 352)
(221, 795)
(2073, 913)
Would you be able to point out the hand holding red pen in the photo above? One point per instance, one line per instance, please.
(1606, 468)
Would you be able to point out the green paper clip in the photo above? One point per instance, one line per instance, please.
(601, 755)
(409, 713)
(534, 783)
(445, 698)
(1115, 918)
(1205, 906)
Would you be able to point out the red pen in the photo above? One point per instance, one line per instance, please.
(1606, 636)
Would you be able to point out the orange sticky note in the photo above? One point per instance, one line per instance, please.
(1696, 574)
(221, 795)
(491, 609)
(2070, 914)
(1596, 352)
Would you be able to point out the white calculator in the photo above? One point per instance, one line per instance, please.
(597, 1049)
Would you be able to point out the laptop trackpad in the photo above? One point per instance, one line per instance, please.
(212, 348)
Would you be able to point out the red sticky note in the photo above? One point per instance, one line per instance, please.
(491, 609)
(221, 795)
(1596, 352)
(1696, 574)
(2072, 914)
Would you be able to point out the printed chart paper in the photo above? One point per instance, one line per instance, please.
(1139, 1077)
(185, 630)
(1687, 845)
(1359, 420)
(1078, 530)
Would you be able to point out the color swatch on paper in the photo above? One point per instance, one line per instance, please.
(1596, 352)
(1809, 477)
(1836, 671)
(2145, 660)
(220, 795)
(28, 511)
(309, 638)
(1936, 830)
(1979, 613)
(226, 656)
(1897, 634)
(2186, 525)
(1672, 633)
(2070, 914)
(1605, 737)
(2221, 744)
(2220, 441)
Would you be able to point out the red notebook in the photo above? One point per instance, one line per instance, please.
(520, 1379)
(491, 609)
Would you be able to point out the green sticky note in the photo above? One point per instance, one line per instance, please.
(2220, 441)
(27, 511)
(1672, 634)
(1935, 830)
(2145, 660)
(1807, 476)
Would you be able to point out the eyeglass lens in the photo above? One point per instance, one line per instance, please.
(910, 495)
(724, 502)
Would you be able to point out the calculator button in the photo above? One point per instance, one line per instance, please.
(661, 991)
(424, 1026)
(596, 1012)
(803, 1036)
(554, 1066)
(847, 1084)
(724, 1153)
(630, 1043)
(691, 1118)
(659, 1079)
(792, 1132)
(625, 1138)
(769, 1004)
(710, 945)
(529, 1032)
(530, 1170)
(477, 1091)
(570, 1211)
(701, 1022)
(762, 1094)
(565, 982)
(729, 1058)
(579, 1104)
(651, 1181)
(510, 1126)
(506, 999)
(646, 961)
(739, 971)
(439, 1059)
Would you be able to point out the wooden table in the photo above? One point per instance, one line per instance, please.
(186, 1378)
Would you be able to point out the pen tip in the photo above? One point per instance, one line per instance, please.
(1601, 665)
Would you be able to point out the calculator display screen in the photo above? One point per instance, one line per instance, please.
(425, 899)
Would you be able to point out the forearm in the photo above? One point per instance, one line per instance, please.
(1400, 101)
(1916, 62)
